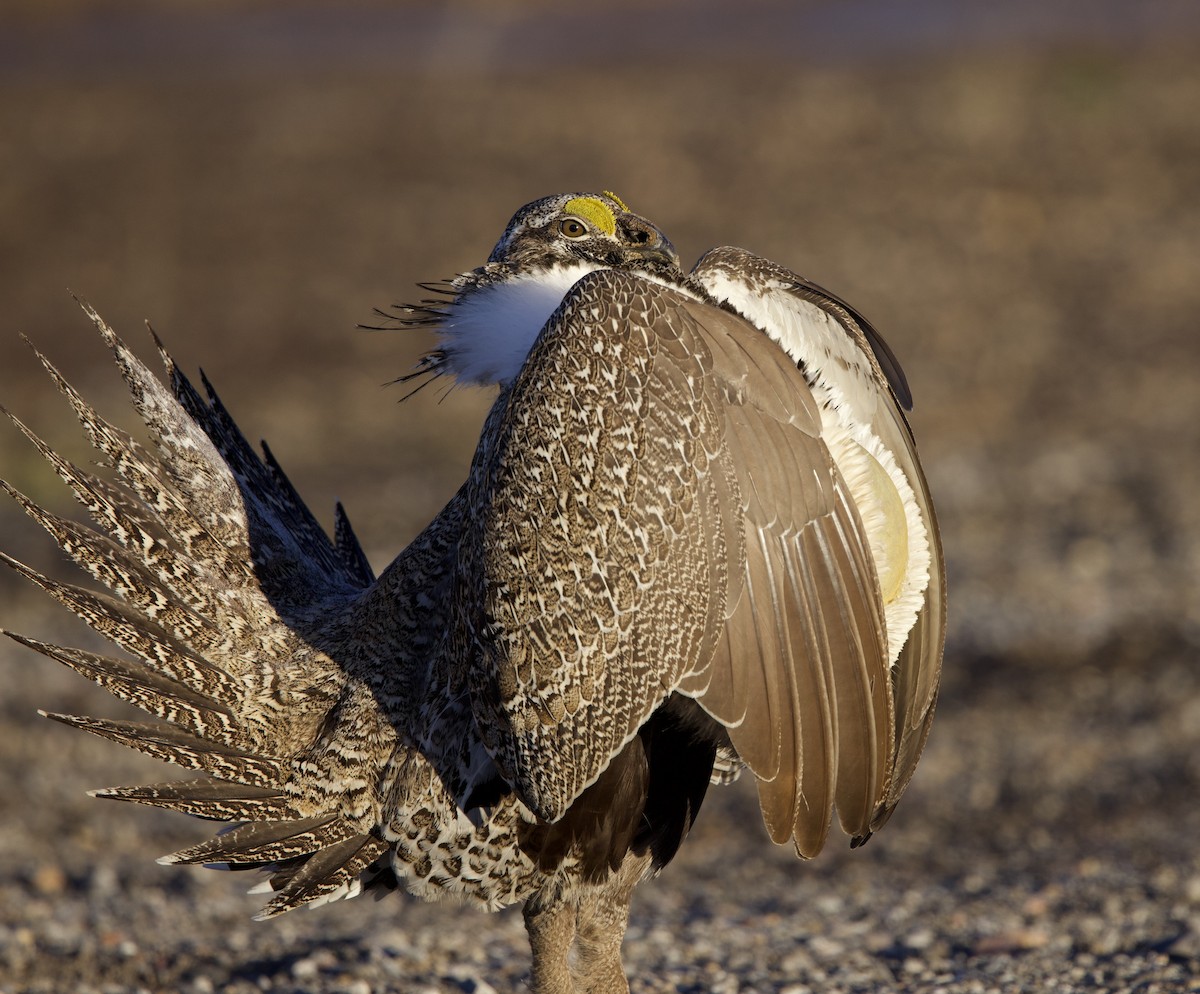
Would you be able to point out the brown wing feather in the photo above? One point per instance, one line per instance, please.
(594, 482)
(788, 308)
(678, 455)
(806, 644)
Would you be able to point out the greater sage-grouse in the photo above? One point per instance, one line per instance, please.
(695, 538)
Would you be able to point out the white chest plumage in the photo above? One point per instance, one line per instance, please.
(487, 333)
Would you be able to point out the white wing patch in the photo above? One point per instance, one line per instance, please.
(487, 334)
(890, 515)
(849, 398)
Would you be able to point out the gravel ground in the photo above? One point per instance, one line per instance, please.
(1024, 228)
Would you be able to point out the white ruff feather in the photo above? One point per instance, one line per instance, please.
(488, 333)
(849, 398)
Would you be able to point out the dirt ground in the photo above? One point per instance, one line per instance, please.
(1024, 227)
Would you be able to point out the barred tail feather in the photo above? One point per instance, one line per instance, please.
(346, 543)
(219, 575)
(282, 524)
(333, 873)
(119, 623)
(215, 800)
(122, 572)
(211, 541)
(130, 524)
(152, 692)
(265, 842)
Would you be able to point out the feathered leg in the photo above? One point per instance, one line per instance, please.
(591, 924)
(551, 927)
(600, 929)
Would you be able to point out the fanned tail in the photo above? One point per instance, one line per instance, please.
(219, 576)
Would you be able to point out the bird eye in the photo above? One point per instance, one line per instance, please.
(572, 228)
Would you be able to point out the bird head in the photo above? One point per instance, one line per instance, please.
(494, 313)
(587, 228)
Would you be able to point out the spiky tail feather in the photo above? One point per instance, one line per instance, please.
(195, 608)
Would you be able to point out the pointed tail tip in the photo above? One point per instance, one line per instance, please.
(74, 720)
(106, 331)
(164, 356)
(87, 308)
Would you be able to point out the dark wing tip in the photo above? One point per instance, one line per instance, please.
(887, 362)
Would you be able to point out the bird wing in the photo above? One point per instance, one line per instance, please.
(269, 656)
(827, 337)
(653, 510)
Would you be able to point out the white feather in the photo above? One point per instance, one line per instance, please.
(488, 333)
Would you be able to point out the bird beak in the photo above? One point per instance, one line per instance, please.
(644, 239)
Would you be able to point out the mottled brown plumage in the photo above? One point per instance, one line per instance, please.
(694, 538)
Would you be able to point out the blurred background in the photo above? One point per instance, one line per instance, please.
(1008, 191)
